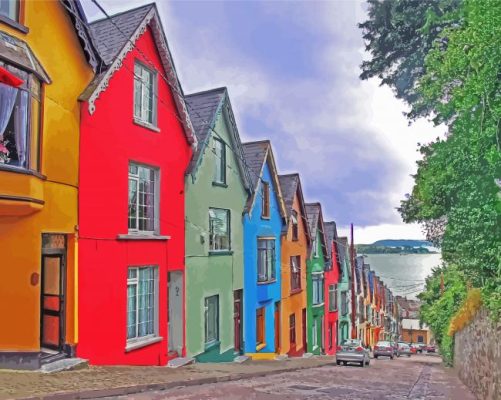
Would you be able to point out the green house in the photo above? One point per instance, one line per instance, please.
(217, 188)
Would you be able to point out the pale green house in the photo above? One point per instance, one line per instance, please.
(217, 188)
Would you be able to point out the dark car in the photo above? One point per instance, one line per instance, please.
(384, 349)
(431, 348)
(352, 351)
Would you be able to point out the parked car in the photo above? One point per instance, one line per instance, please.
(413, 348)
(420, 347)
(352, 351)
(431, 348)
(384, 349)
(404, 349)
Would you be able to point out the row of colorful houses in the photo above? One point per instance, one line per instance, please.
(135, 226)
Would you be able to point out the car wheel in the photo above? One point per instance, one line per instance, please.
(391, 358)
(345, 363)
(376, 357)
(338, 362)
(408, 355)
(362, 364)
(368, 362)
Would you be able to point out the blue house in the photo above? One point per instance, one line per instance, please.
(264, 218)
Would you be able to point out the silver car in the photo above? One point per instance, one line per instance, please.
(383, 349)
(404, 349)
(352, 351)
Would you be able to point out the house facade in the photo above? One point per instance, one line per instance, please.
(136, 143)
(217, 189)
(315, 267)
(263, 223)
(344, 292)
(295, 243)
(331, 288)
(43, 69)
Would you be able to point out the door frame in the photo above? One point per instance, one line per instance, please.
(277, 326)
(304, 330)
(238, 299)
(54, 253)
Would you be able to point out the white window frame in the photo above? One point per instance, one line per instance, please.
(315, 246)
(317, 282)
(146, 339)
(211, 341)
(212, 235)
(270, 269)
(156, 199)
(138, 78)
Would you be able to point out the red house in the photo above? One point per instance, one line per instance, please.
(331, 279)
(135, 145)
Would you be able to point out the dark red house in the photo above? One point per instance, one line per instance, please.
(135, 145)
(331, 279)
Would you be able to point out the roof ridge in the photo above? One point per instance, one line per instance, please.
(222, 88)
(258, 142)
(291, 174)
(150, 5)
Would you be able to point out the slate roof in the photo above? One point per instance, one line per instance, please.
(343, 246)
(255, 154)
(288, 184)
(203, 108)
(312, 212)
(330, 235)
(108, 39)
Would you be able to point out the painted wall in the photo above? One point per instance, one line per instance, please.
(208, 275)
(66, 64)
(331, 317)
(293, 303)
(344, 321)
(315, 265)
(264, 294)
(109, 141)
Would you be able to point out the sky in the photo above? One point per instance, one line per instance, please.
(292, 72)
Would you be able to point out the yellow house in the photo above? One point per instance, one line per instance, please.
(46, 61)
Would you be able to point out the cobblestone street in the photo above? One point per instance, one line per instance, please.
(420, 377)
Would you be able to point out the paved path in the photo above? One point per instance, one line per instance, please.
(420, 377)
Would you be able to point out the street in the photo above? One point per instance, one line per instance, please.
(418, 377)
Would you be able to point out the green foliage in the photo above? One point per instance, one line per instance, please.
(438, 309)
(372, 249)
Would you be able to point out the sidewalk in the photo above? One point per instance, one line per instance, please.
(95, 382)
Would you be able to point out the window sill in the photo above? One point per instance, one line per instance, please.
(266, 282)
(139, 236)
(267, 217)
(318, 305)
(137, 344)
(211, 345)
(296, 291)
(220, 184)
(221, 253)
(260, 347)
(14, 24)
(146, 125)
(19, 170)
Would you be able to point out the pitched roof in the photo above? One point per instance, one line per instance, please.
(255, 156)
(316, 221)
(343, 246)
(330, 235)
(115, 37)
(290, 184)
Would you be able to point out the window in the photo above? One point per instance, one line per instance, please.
(220, 161)
(292, 329)
(142, 302)
(143, 201)
(295, 229)
(260, 326)
(265, 211)
(420, 339)
(19, 116)
(10, 9)
(344, 302)
(295, 272)
(315, 247)
(211, 319)
(318, 289)
(145, 102)
(332, 297)
(266, 260)
(219, 229)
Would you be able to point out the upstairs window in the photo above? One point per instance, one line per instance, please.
(19, 117)
(266, 270)
(143, 198)
(315, 247)
(344, 302)
(145, 100)
(219, 162)
(295, 273)
(265, 209)
(219, 229)
(333, 297)
(318, 289)
(295, 228)
(10, 9)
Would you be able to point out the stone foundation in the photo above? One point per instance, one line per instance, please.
(477, 356)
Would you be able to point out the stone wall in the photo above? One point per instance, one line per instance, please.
(477, 356)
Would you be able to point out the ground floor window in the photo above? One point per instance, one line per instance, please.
(142, 302)
(260, 326)
(292, 329)
(211, 319)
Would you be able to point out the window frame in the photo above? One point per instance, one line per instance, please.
(130, 342)
(156, 199)
(154, 101)
(17, 10)
(211, 341)
(260, 326)
(265, 203)
(220, 162)
(270, 270)
(295, 276)
(344, 302)
(228, 224)
(317, 280)
(333, 288)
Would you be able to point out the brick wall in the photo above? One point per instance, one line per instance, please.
(477, 356)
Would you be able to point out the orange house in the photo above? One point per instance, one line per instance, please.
(46, 61)
(295, 243)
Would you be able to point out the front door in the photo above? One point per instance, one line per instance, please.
(277, 327)
(237, 320)
(175, 317)
(52, 315)
(303, 322)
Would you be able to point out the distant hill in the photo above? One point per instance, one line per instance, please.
(396, 246)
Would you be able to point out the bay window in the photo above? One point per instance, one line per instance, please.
(266, 270)
(19, 117)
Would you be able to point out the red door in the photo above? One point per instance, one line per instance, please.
(237, 320)
(304, 329)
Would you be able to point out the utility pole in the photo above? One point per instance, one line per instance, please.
(353, 304)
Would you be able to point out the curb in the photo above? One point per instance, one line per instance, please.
(126, 390)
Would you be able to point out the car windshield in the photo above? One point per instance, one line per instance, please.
(352, 342)
(383, 344)
(404, 345)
